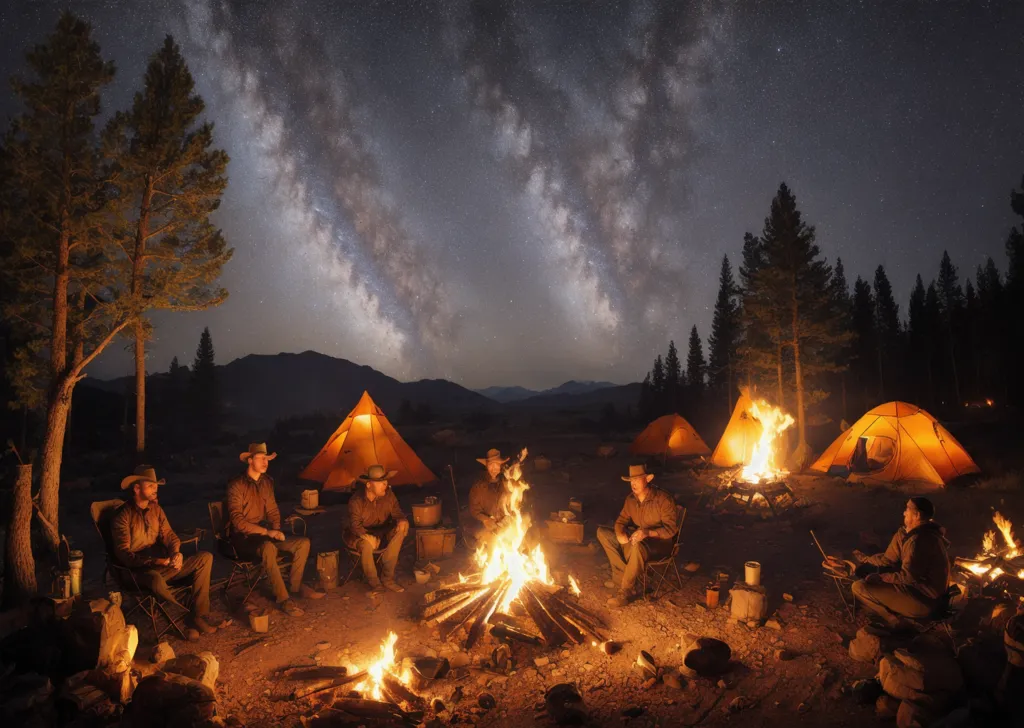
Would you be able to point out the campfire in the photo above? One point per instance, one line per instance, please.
(512, 584)
(1000, 563)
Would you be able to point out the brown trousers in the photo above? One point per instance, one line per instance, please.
(391, 539)
(265, 549)
(628, 560)
(891, 601)
(197, 566)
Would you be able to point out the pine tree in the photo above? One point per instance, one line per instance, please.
(658, 386)
(795, 280)
(972, 325)
(171, 180)
(645, 405)
(725, 337)
(951, 307)
(993, 330)
(695, 366)
(673, 379)
(64, 296)
(887, 329)
(1014, 298)
(933, 327)
(761, 348)
(175, 367)
(865, 343)
(918, 339)
(842, 306)
(204, 387)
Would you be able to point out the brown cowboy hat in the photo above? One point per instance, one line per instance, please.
(377, 473)
(256, 448)
(142, 474)
(493, 455)
(636, 470)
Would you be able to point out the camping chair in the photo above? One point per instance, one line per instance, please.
(245, 570)
(941, 617)
(663, 568)
(354, 557)
(137, 598)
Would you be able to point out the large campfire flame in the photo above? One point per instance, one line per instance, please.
(505, 559)
(991, 549)
(762, 465)
(373, 685)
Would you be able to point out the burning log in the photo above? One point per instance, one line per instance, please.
(326, 684)
(997, 568)
(376, 709)
(511, 634)
(485, 614)
(402, 694)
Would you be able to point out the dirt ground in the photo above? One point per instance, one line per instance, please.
(759, 690)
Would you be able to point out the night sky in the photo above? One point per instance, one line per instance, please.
(530, 192)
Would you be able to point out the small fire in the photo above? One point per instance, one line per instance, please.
(1006, 528)
(762, 464)
(573, 586)
(990, 549)
(373, 685)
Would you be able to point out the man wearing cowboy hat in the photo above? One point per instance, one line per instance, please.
(375, 517)
(255, 528)
(144, 542)
(652, 513)
(487, 499)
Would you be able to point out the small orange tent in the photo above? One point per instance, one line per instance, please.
(896, 442)
(365, 438)
(736, 446)
(670, 435)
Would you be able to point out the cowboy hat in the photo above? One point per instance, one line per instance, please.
(377, 473)
(637, 470)
(142, 474)
(493, 455)
(256, 448)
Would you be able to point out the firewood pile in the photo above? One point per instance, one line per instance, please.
(999, 569)
(463, 612)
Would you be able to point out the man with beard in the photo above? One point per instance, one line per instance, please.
(144, 542)
(255, 529)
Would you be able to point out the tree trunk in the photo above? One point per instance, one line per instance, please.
(138, 269)
(778, 368)
(57, 412)
(140, 388)
(728, 390)
(19, 564)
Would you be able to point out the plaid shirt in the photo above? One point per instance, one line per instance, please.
(136, 531)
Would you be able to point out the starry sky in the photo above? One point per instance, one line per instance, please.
(516, 192)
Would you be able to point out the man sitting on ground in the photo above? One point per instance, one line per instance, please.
(144, 542)
(255, 529)
(652, 512)
(908, 579)
(375, 518)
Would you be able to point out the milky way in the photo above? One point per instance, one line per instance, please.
(512, 192)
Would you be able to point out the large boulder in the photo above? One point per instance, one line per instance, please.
(202, 667)
(167, 700)
(867, 646)
(704, 656)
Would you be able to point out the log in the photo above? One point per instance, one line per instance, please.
(404, 694)
(505, 632)
(553, 635)
(445, 592)
(492, 603)
(594, 625)
(442, 605)
(322, 685)
(549, 606)
(453, 623)
(363, 708)
(572, 605)
(312, 672)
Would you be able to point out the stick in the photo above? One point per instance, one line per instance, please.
(398, 690)
(449, 591)
(457, 620)
(478, 626)
(442, 605)
(460, 611)
(319, 687)
(571, 630)
(312, 672)
(553, 634)
(505, 632)
(823, 554)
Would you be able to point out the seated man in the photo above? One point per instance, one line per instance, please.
(487, 499)
(374, 518)
(255, 529)
(144, 542)
(652, 512)
(908, 579)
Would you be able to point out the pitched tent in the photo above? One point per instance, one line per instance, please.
(896, 442)
(670, 435)
(736, 445)
(365, 438)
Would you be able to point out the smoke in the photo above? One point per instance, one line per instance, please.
(290, 89)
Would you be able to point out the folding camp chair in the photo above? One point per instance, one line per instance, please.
(355, 558)
(662, 569)
(135, 597)
(246, 570)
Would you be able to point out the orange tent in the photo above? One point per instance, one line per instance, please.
(896, 442)
(670, 435)
(365, 438)
(736, 446)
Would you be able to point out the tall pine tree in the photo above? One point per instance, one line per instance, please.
(695, 368)
(673, 379)
(171, 180)
(725, 338)
(842, 306)
(864, 352)
(951, 308)
(65, 295)
(204, 387)
(887, 330)
(1014, 298)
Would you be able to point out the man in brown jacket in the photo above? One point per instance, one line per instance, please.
(144, 542)
(374, 517)
(255, 528)
(910, 576)
(652, 513)
(487, 498)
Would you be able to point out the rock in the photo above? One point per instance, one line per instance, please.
(649, 683)
(913, 715)
(674, 680)
(180, 701)
(458, 660)
(28, 691)
(783, 655)
(787, 597)
(704, 656)
(541, 661)
(692, 566)
(162, 653)
(633, 711)
(564, 705)
(202, 668)
(886, 707)
(738, 704)
(773, 624)
(866, 646)
(321, 646)
(722, 685)
(437, 705)
(866, 692)
(486, 701)
(802, 708)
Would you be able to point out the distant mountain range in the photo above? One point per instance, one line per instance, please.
(260, 389)
(516, 394)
